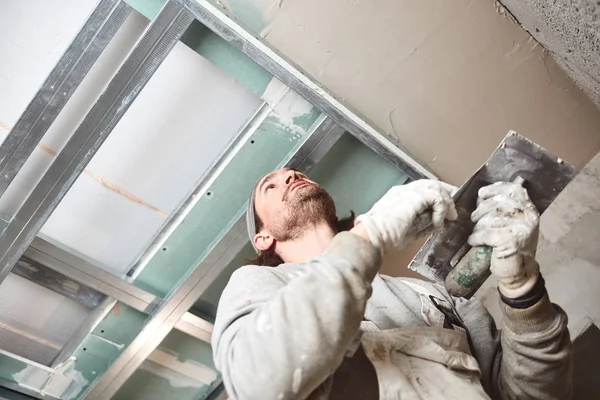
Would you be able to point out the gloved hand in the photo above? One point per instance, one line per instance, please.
(390, 223)
(508, 222)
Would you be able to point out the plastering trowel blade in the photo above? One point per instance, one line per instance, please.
(544, 174)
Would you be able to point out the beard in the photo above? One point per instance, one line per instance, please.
(309, 206)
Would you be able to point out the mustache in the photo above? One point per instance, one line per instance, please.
(289, 188)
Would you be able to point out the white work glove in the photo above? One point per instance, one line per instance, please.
(508, 222)
(390, 223)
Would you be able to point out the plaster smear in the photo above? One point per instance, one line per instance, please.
(257, 14)
(32, 377)
(274, 92)
(67, 383)
(445, 80)
(293, 115)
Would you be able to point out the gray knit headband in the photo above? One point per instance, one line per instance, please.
(251, 219)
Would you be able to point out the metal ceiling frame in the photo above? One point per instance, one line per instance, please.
(18, 236)
(153, 47)
(177, 217)
(314, 146)
(218, 21)
(57, 89)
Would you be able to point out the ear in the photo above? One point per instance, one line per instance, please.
(263, 240)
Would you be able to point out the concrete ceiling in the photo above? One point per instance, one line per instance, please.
(570, 30)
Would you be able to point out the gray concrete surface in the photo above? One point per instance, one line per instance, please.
(570, 30)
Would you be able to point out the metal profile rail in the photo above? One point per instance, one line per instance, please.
(156, 43)
(12, 391)
(112, 286)
(59, 283)
(206, 181)
(316, 144)
(59, 86)
(90, 275)
(97, 315)
(215, 19)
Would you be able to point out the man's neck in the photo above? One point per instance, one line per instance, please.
(313, 242)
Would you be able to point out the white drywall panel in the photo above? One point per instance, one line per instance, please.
(81, 101)
(36, 322)
(179, 124)
(181, 121)
(33, 36)
(177, 127)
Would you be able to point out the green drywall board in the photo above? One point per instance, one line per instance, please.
(188, 348)
(254, 15)
(121, 325)
(355, 177)
(10, 366)
(206, 306)
(100, 348)
(214, 212)
(148, 8)
(145, 385)
(229, 59)
(215, 49)
(93, 357)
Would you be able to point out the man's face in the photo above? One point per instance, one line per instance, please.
(288, 203)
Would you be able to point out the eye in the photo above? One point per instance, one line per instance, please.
(269, 187)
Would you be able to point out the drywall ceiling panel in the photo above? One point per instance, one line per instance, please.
(36, 322)
(74, 111)
(177, 127)
(182, 120)
(31, 42)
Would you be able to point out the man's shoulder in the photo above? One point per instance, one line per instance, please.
(256, 275)
(251, 271)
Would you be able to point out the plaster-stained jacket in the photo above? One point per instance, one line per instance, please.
(283, 333)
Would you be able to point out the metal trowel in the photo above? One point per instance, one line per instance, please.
(446, 256)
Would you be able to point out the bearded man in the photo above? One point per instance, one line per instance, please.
(315, 320)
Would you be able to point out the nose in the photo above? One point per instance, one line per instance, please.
(289, 177)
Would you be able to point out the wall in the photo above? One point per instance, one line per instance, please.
(447, 80)
(570, 30)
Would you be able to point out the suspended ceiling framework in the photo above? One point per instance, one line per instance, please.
(133, 312)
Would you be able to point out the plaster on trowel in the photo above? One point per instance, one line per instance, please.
(446, 256)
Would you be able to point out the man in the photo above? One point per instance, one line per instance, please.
(325, 325)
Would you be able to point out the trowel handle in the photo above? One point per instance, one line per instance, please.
(473, 269)
(470, 272)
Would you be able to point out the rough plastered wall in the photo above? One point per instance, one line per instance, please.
(570, 30)
(446, 79)
(568, 251)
